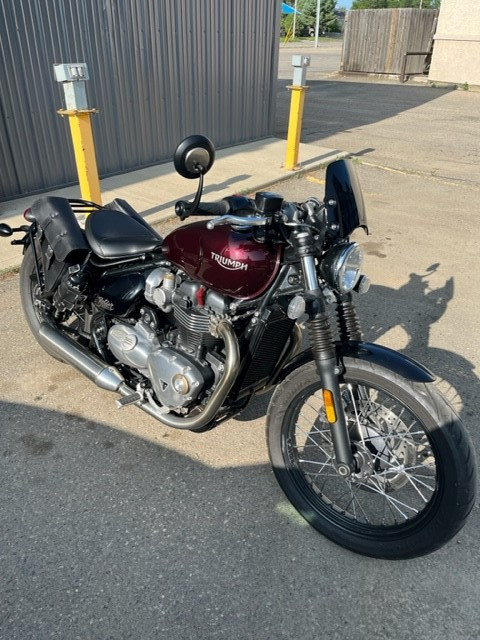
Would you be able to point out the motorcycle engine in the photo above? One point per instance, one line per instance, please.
(184, 366)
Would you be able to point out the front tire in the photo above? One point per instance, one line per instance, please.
(414, 484)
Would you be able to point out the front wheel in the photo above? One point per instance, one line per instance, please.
(414, 483)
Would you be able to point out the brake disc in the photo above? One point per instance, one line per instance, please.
(387, 449)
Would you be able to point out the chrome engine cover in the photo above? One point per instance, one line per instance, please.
(159, 287)
(133, 344)
(176, 378)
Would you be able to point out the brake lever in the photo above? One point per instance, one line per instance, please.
(239, 221)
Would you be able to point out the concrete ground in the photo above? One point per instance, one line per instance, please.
(112, 526)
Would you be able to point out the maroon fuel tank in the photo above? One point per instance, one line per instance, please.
(224, 259)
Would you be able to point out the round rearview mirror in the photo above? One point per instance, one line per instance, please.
(194, 156)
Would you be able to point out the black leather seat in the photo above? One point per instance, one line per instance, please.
(117, 231)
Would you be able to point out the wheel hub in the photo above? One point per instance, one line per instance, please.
(381, 455)
(364, 464)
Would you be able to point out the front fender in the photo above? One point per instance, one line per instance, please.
(374, 353)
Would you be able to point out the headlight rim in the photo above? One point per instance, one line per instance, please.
(333, 264)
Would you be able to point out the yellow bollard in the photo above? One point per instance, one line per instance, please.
(73, 76)
(298, 89)
(84, 149)
(294, 126)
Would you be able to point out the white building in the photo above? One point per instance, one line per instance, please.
(456, 53)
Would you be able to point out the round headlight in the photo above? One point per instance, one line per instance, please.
(341, 266)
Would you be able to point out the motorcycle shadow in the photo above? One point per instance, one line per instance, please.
(106, 528)
(406, 316)
(99, 524)
(410, 313)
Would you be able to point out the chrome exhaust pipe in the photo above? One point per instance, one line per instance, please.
(109, 377)
(96, 370)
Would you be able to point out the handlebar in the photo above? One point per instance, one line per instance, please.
(228, 205)
(241, 211)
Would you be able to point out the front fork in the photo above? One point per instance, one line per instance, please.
(323, 347)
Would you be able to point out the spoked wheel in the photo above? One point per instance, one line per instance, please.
(34, 307)
(414, 483)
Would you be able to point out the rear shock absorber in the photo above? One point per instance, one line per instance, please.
(349, 328)
(70, 292)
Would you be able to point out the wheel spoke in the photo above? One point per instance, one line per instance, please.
(409, 478)
(314, 441)
(395, 477)
(418, 466)
(324, 433)
(413, 478)
(320, 473)
(316, 462)
(390, 498)
(355, 498)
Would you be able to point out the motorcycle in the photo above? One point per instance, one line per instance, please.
(190, 327)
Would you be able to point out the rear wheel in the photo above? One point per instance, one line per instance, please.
(33, 305)
(414, 484)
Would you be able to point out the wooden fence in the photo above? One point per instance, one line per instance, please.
(376, 40)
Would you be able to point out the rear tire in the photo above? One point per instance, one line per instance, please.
(31, 303)
(416, 476)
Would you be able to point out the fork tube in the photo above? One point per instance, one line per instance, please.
(323, 347)
(310, 274)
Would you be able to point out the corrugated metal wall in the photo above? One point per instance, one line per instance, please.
(160, 70)
(376, 39)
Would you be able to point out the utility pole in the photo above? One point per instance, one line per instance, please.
(317, 23)
(294, 19)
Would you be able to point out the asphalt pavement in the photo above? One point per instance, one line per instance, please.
(112, 526)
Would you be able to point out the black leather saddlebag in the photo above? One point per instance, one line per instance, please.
(60, 228)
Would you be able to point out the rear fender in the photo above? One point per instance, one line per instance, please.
(368, 352)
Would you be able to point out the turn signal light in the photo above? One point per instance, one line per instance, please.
(329, 406)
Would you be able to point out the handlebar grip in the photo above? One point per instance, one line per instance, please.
(184, 209)
(219, 208)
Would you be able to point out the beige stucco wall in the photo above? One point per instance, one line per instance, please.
(456, 52)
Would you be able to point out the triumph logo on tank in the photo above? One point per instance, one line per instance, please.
(228, 263)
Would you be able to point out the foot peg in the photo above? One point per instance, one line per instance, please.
(126, 400)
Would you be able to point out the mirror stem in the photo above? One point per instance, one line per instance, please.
(198, 195)
(184, 209)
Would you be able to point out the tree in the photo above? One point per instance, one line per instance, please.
(370, 4)
(395, 4)
(305, 21)
(328, 19)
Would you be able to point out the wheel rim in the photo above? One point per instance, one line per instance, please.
(396, 481)
(37, 304)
